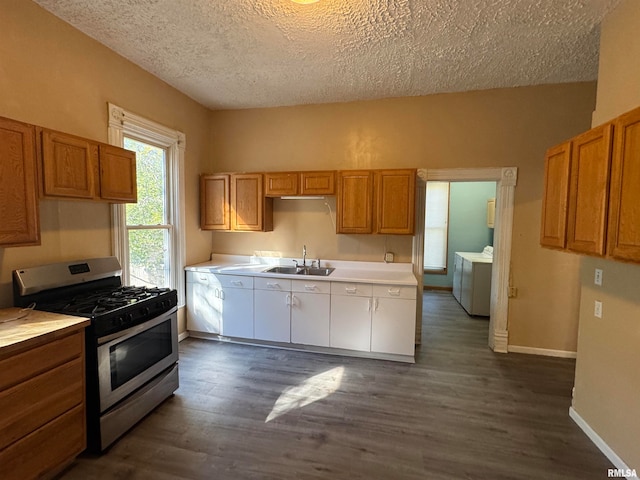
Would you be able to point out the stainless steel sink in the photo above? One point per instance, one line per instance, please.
(285, 270)
(319, 272)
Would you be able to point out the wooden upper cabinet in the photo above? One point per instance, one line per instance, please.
(395, 201)
(69, 165)
(624, 213)
(355, 201)
(118, 174)
(214, 202)
(280, 184)
(317, 183)
(19, 223)
(589, 191)
(251, 211)
(557, 165)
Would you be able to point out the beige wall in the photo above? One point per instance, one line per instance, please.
(53, 75)
(607, 378)
(507, 127)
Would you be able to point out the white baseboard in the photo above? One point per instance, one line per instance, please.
(542, 351)
(182, 336)
(598, 441)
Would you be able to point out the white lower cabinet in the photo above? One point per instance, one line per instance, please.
(393, 322)
(220, 304)
(272, 312)
(310, 312)
(351, 316)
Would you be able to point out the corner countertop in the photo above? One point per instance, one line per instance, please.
(22, 328)
(345, 271)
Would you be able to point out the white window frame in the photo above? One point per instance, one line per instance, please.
(123, 123)
(444, 230)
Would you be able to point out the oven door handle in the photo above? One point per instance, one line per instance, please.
(130, 332)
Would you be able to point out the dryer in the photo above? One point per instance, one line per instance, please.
(472, 280)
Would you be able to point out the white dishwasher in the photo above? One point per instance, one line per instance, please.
(472, 280)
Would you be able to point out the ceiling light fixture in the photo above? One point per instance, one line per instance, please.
(304, 2)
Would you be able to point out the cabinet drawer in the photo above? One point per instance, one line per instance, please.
(235, 281)
(46, 449)
(394, 291)
(203, 278)
(277, 284)
(22, 366)
(310, 286)
(351, 289)
(31, 404)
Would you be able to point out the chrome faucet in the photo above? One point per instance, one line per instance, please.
(304, 255)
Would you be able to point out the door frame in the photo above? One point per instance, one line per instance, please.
(506, 179)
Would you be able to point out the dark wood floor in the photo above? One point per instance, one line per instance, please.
(461, 412)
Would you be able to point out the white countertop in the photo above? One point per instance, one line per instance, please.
(345, 271)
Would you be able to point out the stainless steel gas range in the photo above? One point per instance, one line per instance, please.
(131, 344)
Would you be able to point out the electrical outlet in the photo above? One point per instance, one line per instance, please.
(388, 257)
(513, 292)
(598, 277)
(597, 309)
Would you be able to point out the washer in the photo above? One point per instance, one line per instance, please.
(472, 281)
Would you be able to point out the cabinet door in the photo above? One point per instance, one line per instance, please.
(393, 326)
(69, 165)
(118, 175)
(279, 184)
(204, 303)
(250, 210)
(624, 222)
(355, 202)
(214, 202)
(395, 201)
(19, 223)
(310, 313)
(589, 191)
(350, 323)
(557, 164)
(237, 312)
(272, 319)
(317, 183)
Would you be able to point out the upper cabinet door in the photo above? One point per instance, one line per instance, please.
(250, 210)
(214, 202)
(624, 221)
(117, 174)
(280, 184)
(19, 224)
(317, 183)
(69, 165)
(395, 201)
(557, 164)
(355, 202)
(589, 191)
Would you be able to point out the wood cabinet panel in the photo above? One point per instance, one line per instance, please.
(214, 202)
(69, 165)
(317, 183)
(395, 201)
(589, 191)
(280, 184)
(355, 202)
(624, 222)
(19, 221)
(118, 179)
(557, 165)
(250, 210)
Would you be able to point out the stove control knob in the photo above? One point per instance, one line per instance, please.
(128, 318)
(146, 311)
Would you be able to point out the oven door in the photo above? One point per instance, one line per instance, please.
(130, 358)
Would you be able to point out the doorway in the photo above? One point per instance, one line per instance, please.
(506, 179)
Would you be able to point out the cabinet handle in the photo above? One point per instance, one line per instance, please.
(221, 295)
(236, 283)
(290, 300)
(369, 305)
(375, 305)
(351, 290)
(309, 288)
(216, 293)
(394, 291)
(273, 285)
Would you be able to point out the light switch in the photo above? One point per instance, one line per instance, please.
(598, 277)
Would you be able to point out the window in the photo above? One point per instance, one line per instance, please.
(148, 237)
(436, 227)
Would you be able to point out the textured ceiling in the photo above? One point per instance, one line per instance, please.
(259, 53)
